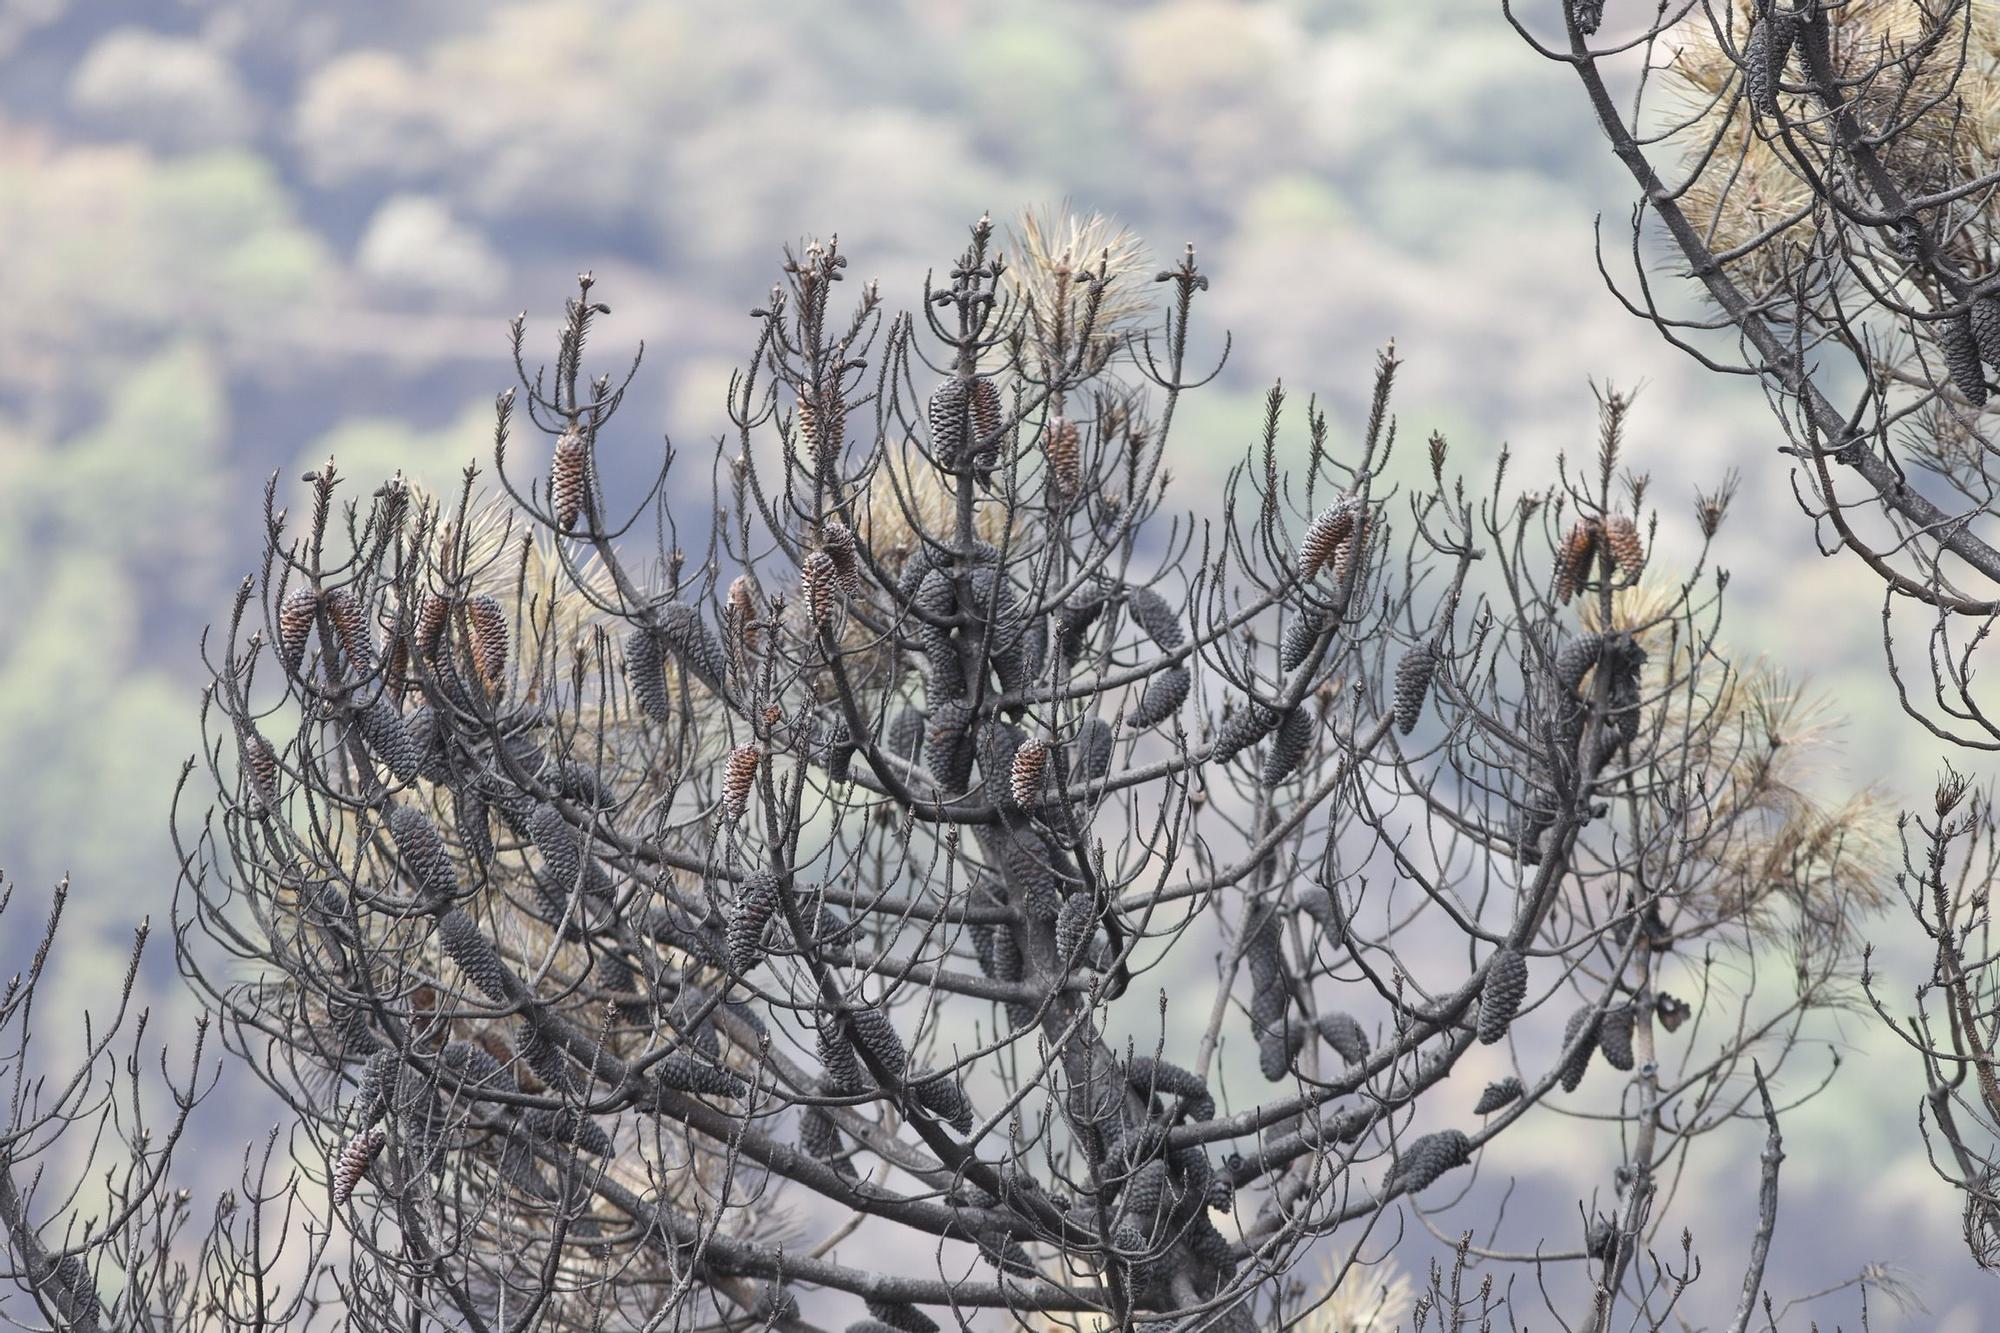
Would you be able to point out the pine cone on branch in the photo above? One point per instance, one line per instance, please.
(1960, 347)
(569, 478)
(353, 1162)
(1500, 997)
(1025, 779)
(1575, 557)
(739, 779)
(1324, 536)
(1426, 1160)
(1498, 1096)
(1413, 685)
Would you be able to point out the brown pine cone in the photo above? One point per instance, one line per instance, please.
(569, 478)
(819, 578)
(1063, 445)
(489, 640)
(1573, 559)
(837, 540)
(295, 622)
(1621, 536)
(1324, 536)
(739, 776)
(1025, 780)
(353, 1162)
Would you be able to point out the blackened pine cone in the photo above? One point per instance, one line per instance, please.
(1498, 1096)
(1413, 685)
(699, 653)
(1346, 1036)
(1163, 697)
(465, 945)
(1157, 617)
(1094, 744)
(1299, 637)
(949, 426)
(1765, 53)
(1149, 1076)
(1579, 1040)
(423, 852)
(1956, 341)
(944, 1097)
(1241, 730)
(756, 902)
(1427, 1159)
(1985, 315)
(1294, 737)
(1614, 1037)
(1500, 997)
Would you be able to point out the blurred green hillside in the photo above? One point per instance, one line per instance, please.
(236, 235)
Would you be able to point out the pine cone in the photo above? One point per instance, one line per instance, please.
(819, 579)
(260, 767)
(1094, 744)
(383, 733)
(1986, 328)
(569, 478)
(1300, 635)
(821, 444)
(986, 413)
(1588, 15)
(947, 412)
(1427, 1159)
(1063, 444)
(474, 955)
(740, 614)
(1574, 558)
(739, 778)
(353, 1162)
(489, 641)
(1579, 1040)
(1073, 622)
(950, 746)
(1241, 730)
(350, 627)
(905, 739)
(692, 645)
(837, 540)
(1764, 56)
(1500, 996)
(427, 625)
(423, 852)
(944, 1097)
(1289, 746)
(1614, 1037)
(1955, 339)
(645, 667)
(903, 1318)
(1157, 617)
(1413, 685)
(1346, 1036)
(1324, 536)
(756, 902)
(1498, 1096)
(820, 1138)
(565, 857)
(295, 621)
(684, 1072)
(1621, 535)
(1574, 661)
(1148, 1077)
(1075, 924)
(1352, 553)
(1025, 781)
(1163, 697)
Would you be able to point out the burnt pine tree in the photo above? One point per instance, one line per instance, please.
(1826, 173)
(950, 888)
